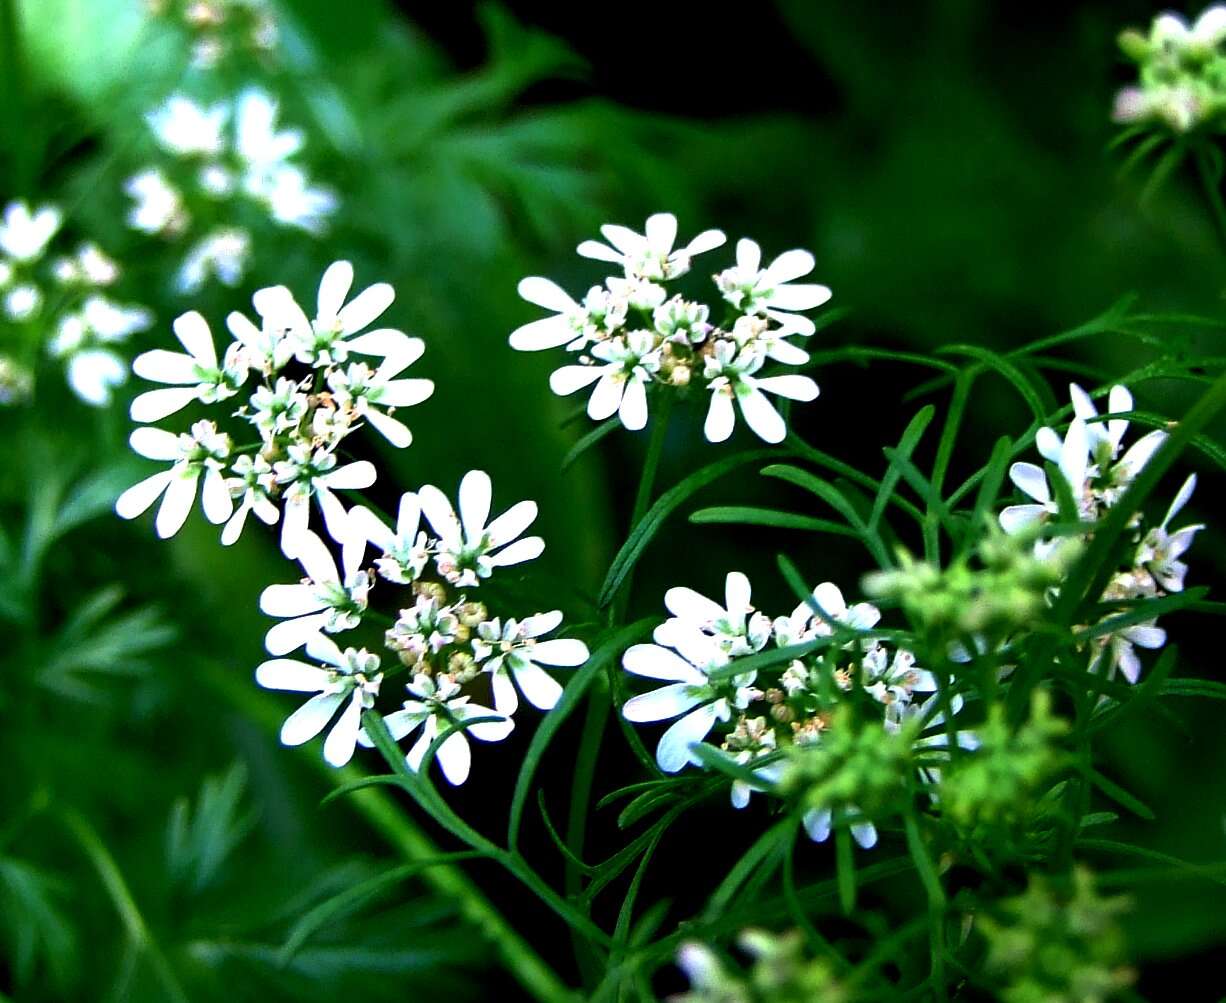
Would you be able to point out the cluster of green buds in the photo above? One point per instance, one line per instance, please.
(781, 973)
(997, 784)
(1052, 945)
(1000, 587)
(1182, 72)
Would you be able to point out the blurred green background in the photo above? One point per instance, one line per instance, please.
(947, 163)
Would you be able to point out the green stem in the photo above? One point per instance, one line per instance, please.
(12, 85)
(527, 967)
(1212, 191)
(129, 913)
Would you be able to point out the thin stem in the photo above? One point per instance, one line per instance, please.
(527, 967)
(129, 913)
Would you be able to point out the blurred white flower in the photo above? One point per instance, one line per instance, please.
(23, 301)
(221, 254)
(24, 235)
(202, 452)
(804, 624)
(88, 267)
(351, 677)
(184, 128)
(159, 205)
(468, 548)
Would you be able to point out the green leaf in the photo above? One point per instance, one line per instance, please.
(906, 446)
(1208, 689)
(1120, 796)
(589, 439)
(1012, 375)
(750, 516)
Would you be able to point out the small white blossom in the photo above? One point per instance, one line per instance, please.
(513, 650)
(574, 325)
(817, 823)
(24, 235)
(737, 628)
(621, 382)
(1161, 549)
(437, 705)
(351, 677)
(252, 482)
(202, 452)
(328, 599)
(307, 473)
(159, 205)
(772, 291)
(406, 550)
(23, 301)
(805, 624)
(184, 128)
(222, 254)
(650, 255)
(88, 267)
(1073, 462)
(194, 376)
(374, 395)
(469, 549)
(730, 372)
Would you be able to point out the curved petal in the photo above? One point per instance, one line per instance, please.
(476, 496)
(155, 443)
(439, 513)
(761, 416)
(406, 392)
(333, 288)
(538, 687)
(1049, 444)
(310, 719)
(351, 477)
(290, 635)
(527, 549)
(789, 265)
(560, 651)
(737, 592)
(290, 674)
(154, 405)
(215, 499)
(721, 418)
(597, 251)
(511, 523)
(1030, 480)
(141, 496)
(633, 408)
(794, 387)
(339, 745)
(655, 662)
(177, 503)
(294, 526)
(690, 605)
(624, 239)
(392, 429)
(1016, 518)
(486, 731)
(398, 349)
(800, 297)
(455, 758)
(546, 293)
(363, 520)
(506, 698)
(662, 704)
(817, 824)
(290, 600)
(673, 750)
(541, 623)
(661, 232)
(366, 307)
(708, 240)
(568, 379)
(161, 366)
(537, 335)
(748, 255)
(607, 396)
(193, 332)
(864, 833)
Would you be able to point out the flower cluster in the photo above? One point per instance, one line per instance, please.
(763, 717)
(635, 335)
(223, 161)
(1182, 72)
(306, 390)
(1094, 472)
(781, 971)
(221, 27)
(64, 293)
(447, 641)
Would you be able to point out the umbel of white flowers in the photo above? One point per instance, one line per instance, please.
(633, 337)
(758, 714)
(304, 392)
(216, 156)
(1097, 470)
(88, 325)
(447, 641)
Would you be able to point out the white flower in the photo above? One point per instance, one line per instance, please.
(194, 375)
(1208, 31)
(328, 599)
(330, 337)
(817, 823)
(697, 700)
(364, 392)
(1161, 549)
(279, 408)
(252, 482)
(313, 472)
(184, 128)
(621, 383)
(514, 650)
(222, 254)
(468, 548)
(1073, 462)
(574, 325)
(804, 624)
(423, 629)
(1120, 648)
(94, 373)
(437, 707)
(1111, 477)
(23, 301)
(111, 322)
(24, 235)
(89, 267)
(351, 676)
(203, 451)
(771, 291)
(730, 372)
(405, 550)
(894, 682)
(650, 256)
(159, 206)
(262, 148)
(293, 201)
(737, 628)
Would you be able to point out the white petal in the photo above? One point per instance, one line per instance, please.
(511, 523)
(527, 549)
(864, 833)
(215, 498)
(546, 293)
(830, 598)
(661, 232)
(1016, 518)
(748, 255)
(193, 331)
(1048, 444)
(1181, 498)
(363, 520)
(721, 418)
(624, 239)
(177, 503)
(673, 751)
(289, 674)
(690, 605)
(161, 366)
(408, 515)
(418, 752)
(290, 635)
(1031, 480)
(140, 496)
(290, 600)
(790, 265)
(1075, 456)
(439, 513)
(568, 379)
(597, 251)
(398, 723)
(294, 526)
(794, 387)
(338, 747)
(542, 623)
(761, 416)
(310, 719)
(633, 408)
(560, 651)
(476, 493)
(366, 307)
(654, 662)
(336, 519)
(662, 704)
(324, 649)
(817, 824)
(351, 477)
(398, 349)
(486, 731)
(538, 687)
(606, 398)
(1146, 635)
(154, 405)
(406, 393)
(1141, 452)
(506, 698)
(799, 297)
(708, 240)
(392, 429)
(333, 288)
(737, 592)
(788, 354)
(455, 758)
(155, 443)
(537, 335)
